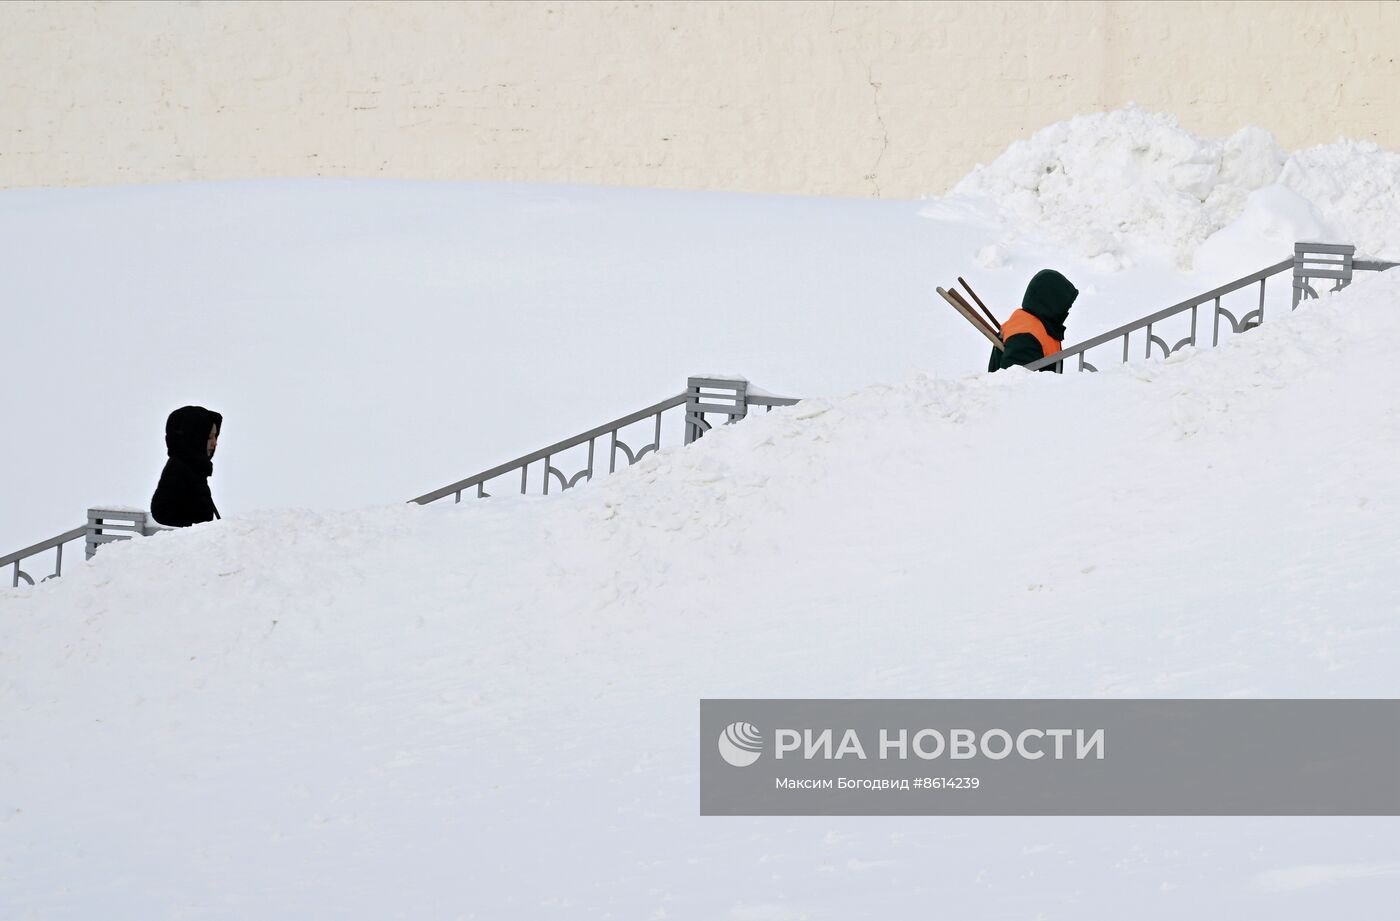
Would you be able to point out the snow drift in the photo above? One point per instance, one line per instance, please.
(1123, 186)
(489, 710)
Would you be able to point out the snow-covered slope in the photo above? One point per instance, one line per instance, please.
(490, 710)
(369, 341)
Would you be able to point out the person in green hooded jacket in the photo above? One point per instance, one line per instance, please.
(1038, 328)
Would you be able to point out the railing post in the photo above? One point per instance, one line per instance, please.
(713, 395)
(1320, 260)
(94, 531)
(105, 525)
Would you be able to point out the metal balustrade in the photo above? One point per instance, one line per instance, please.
(1311, 261)
(730, 397)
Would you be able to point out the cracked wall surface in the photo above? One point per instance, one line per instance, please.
(893, 99)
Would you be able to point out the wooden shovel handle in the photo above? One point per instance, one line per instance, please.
(962, 307)
(962, 281)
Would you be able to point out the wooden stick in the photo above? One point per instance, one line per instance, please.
(967, 308)
(964, 283)
(977, 322)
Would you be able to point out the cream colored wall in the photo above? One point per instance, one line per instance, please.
(894, 99)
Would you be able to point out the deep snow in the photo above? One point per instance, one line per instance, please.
(489, 710)
(370, 341)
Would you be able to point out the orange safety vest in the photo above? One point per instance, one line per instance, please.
(1023, 322)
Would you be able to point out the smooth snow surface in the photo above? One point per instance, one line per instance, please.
(490, 710)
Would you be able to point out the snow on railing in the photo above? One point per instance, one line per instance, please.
(1310, 261)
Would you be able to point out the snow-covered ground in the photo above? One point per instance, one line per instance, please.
(490, 709)
(370, 341)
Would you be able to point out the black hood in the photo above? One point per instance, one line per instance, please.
(1048, 298)
(187, 436)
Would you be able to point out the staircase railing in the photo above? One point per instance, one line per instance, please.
(1310, 261)
(53, 544)
(730, 397)
(104, 525)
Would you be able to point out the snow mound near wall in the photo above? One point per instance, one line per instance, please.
(489, 708)
(1355, 187)
(1128, 185)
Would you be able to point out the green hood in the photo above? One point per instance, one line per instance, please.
(1048, 298)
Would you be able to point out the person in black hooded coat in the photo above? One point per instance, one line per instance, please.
(182, 496)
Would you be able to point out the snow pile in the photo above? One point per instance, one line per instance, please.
(1355, 187)
(1126, 186)
(489, 709)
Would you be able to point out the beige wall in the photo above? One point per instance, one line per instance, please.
(851, 98)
